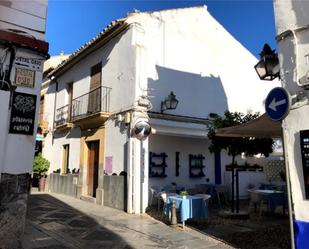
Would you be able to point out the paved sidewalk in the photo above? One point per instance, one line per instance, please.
(60, 222)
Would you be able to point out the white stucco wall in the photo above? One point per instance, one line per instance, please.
(29, 18)
(53, 149)
(49, 103)
(172, 144)
(17, 150)
(118, 68)
(116, 145)
(187, 51)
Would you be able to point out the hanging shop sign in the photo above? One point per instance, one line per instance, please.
(304, 146)
(22, 113)
(24, 77)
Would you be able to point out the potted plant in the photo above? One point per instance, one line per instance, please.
(184, 193)
(40, 168)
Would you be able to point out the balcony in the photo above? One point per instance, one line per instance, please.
(87, 110)
(63, 116)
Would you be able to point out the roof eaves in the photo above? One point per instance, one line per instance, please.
(109, 32)
(178, 118)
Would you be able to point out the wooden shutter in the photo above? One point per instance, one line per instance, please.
(95, 76)
(94, 101)
(70, 96)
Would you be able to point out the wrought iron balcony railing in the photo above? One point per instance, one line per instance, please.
(62, 115)
(95, 101)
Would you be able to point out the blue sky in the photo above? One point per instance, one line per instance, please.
(70, 24)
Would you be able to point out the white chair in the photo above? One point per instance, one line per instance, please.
(256, 200)
(162, 196)
(222, 192)
(152, 195)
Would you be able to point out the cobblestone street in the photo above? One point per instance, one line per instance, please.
(56, 221)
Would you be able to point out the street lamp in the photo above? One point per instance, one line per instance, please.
(268, 66)
(170, 102)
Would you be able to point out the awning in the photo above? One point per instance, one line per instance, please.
(262, 127)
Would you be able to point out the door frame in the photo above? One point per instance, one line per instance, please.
(93, 167)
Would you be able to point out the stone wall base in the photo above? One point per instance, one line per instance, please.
(14, 191)
(99, 196)
(115, 192)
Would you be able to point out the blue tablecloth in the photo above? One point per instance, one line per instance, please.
(274, 198)
(190, 206)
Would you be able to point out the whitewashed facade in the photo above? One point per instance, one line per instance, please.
(181, 50)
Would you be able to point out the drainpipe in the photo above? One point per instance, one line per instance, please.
(130, 177)
(53, 78)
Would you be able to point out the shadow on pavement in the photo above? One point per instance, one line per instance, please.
(53, 224)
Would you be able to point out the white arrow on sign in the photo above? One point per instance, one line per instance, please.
(273, 105)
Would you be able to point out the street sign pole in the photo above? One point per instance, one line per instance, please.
(288, 184)
(277, 107)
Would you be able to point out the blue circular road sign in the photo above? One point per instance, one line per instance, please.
(277, 104)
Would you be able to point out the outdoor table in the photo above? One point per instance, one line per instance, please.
(267, 186)
(189, 206)
(273, 197)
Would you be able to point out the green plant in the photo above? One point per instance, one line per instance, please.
(40, 165)
(246, 164)
(183, 193)
(237, 145)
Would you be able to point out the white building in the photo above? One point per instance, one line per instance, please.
(124, 74)
(23, 51)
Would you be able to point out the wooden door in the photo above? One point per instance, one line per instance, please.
(93, 167)
(94, 97)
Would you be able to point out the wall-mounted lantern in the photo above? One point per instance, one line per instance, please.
(268, 66)
(170, 102)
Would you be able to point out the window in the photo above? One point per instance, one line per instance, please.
(65, 158)
(196, 165)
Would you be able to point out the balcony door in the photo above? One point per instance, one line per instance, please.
(94, 97)
(93, 167)
(70, 98)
